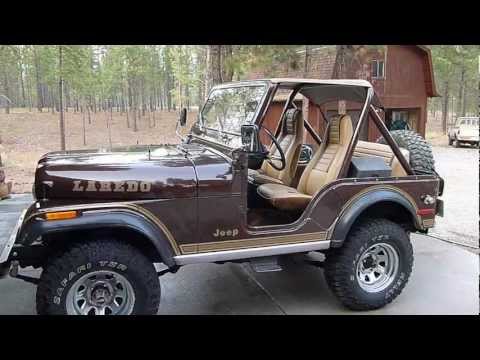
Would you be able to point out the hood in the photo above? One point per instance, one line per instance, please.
(124, 173)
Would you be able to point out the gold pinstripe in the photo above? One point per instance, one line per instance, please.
(253, 242)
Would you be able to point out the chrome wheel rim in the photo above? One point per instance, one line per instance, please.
(100, 293)
(377, 267)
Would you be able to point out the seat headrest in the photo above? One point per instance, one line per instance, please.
(341, 129)
(291, 121)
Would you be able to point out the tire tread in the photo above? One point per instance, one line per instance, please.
(81, 252)
(338, 263)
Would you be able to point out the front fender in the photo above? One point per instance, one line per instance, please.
(353, 211)
(37, 227)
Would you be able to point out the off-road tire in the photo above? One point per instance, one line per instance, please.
(421, 155)
(68, 265)
(341, 264)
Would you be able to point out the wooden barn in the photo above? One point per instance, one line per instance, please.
(402, 76)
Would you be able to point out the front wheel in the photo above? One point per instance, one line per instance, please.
(102, 277)
(372, 267)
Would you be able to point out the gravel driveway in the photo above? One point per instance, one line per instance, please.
(459, 169)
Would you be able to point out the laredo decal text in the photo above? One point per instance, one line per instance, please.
(112, 186)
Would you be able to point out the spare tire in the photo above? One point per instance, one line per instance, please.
(421, 155)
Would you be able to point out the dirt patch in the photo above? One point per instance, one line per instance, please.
(26, 136)
(437, 139)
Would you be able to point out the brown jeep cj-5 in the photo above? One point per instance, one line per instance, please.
(102, 219)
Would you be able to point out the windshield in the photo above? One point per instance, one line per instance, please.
(472, 121)
(227, 109)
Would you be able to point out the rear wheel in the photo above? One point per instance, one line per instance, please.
(102, 277)
(372, 267)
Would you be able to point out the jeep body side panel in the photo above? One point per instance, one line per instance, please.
(326, 218)
(407, 192)
(225, 232)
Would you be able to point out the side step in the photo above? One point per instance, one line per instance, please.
(265, 264)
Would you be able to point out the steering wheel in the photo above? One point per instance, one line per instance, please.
(271, 158)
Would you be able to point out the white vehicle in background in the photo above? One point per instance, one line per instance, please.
(465, 131)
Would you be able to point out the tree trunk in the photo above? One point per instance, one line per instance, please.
(461, 92)
(214, 66)
(108, 126)
(226, 68)
(29, 92)
(60, 97)
(135, 108)
(128, 120)
(445, 100)
(306, 61)
(67, 96)
(83, 125)
(88, 113)
(143, 98)
(22, 85)
(6, 88)
(40, 98)
(168, 95)
(464, 103)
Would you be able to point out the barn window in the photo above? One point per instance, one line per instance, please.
(377, 69)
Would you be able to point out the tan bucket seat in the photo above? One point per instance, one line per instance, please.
(290, 140)
(322, 169)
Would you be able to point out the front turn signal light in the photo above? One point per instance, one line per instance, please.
(61, 215)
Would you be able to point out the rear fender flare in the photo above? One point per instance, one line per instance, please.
(353, 211)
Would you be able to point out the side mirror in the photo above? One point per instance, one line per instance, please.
(252, 145)
(250, 140)
(183, 117)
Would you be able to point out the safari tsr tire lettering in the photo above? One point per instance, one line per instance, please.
(109, 257)
(343, 266)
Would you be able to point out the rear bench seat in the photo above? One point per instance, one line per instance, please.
(370, 149)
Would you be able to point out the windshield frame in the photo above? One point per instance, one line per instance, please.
(263, 84)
